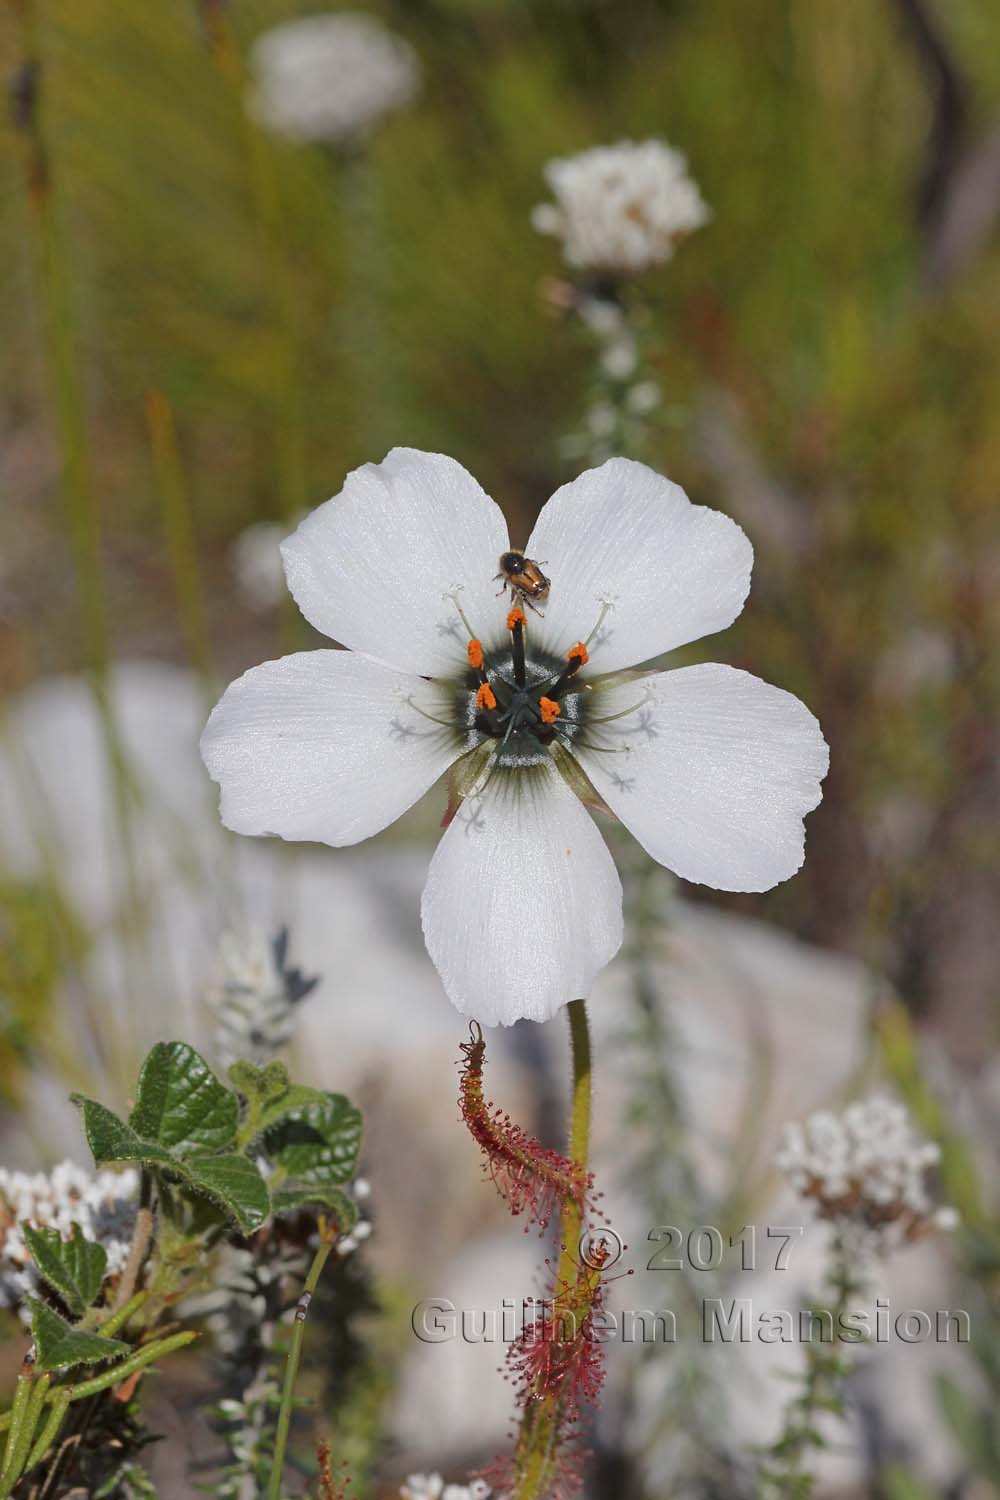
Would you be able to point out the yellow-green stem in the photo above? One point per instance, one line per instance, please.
(327, 1240)
(182, 546)
(537, 1447)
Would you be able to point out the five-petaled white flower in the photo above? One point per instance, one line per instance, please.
(711, 769)
(620, 209)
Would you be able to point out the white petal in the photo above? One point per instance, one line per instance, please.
(675, 571)
(373, 566)
(718, 772)
(523, 905)
(323, 745)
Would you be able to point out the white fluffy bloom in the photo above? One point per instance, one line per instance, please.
(866, 1168)
(620, 209)
(330, 77)
(103, 1205)
(711, 769)
(253, 996)
(433, 1487)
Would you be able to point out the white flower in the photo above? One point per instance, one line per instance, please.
(102, 1204)
(330, 77)
(866, 1170)
(711, 769)
(620, 208)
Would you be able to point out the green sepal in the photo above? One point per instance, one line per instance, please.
(59, 1346)
(74, 1268)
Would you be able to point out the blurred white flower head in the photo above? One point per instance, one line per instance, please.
(433, 1487)
(102, 1204)
(253, 995)
(620, 209)
(255, 558)
(330, 78)
(865, 1171)
(535, 717)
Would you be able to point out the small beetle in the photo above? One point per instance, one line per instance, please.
(523, 577)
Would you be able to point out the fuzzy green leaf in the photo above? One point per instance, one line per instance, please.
(181, 1104)
(59, 1346)
(318, 1138)
(111, 1139)
(291, 1197)
(234, 1183)
(74, 1267)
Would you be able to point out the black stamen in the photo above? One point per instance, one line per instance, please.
(517, 638)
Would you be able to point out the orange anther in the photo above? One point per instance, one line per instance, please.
(579, 653)
(516, 617)
(485, 697)
(475, 651)
(550, 709)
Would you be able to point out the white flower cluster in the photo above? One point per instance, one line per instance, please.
(433, 1487)
(621, 208)
(253, 996)
(330, 78)
(104, 1206)
(866, 1168)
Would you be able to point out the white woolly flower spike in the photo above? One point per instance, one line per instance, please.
(330, 78)
(620, 209)
(865, 1169)
(536, 712)
(253, 996)
(102, 1204)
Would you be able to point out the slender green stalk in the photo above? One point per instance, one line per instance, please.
(121, 1315)
(83, 512)
(51, 1429)
(287, 392)
(327, 1240)
(537, 1444)
(137, 1361)
(178, 521)
(18, 1415)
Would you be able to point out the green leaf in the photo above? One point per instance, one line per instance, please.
(234, 1183)
(111, 1139)
(59, 1346)
(74, 1267)
(317, 1139)
(181, 1104)
(290, 1198)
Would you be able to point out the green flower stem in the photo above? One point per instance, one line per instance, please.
(182, 546)
(52, 260)
(51, 1429)
(787, 1474)
(287, 394)
(137, 1361)
(121, 1315)
(18, 1427)
(328, 1238)
(537, 1444)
